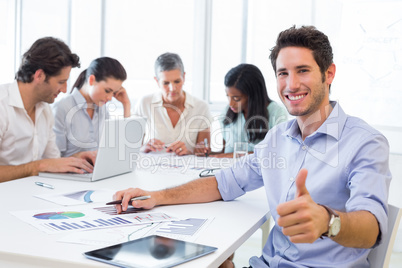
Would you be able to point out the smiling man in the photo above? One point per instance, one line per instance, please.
(329, 197)
(27, 141)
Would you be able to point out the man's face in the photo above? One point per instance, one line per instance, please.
(300, 83)
(48, 89)
(171, 83)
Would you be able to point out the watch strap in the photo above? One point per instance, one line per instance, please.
(331, 214)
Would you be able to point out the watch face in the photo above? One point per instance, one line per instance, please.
(335, 226)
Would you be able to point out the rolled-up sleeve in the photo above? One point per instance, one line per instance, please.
(242, 177)
(370, 179)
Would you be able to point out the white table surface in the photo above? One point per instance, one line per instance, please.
(22, 245)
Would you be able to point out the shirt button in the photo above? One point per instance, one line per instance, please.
(304, 147)
(291, 179)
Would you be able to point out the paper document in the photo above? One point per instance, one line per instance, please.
(106, 237)
(79, 197)
(188, 230)
(82, 218)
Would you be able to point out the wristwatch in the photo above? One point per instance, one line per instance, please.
(334, 225)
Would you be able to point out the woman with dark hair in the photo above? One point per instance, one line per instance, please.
(80, 116)
(250, 113)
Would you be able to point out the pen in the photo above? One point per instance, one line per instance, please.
(44, 185)
(131, 200)
(206, 146)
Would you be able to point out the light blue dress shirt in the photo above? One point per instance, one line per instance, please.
(347, 163)
(235, 132)
(75, 130)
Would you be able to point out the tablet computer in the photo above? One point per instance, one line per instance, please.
(151, 251)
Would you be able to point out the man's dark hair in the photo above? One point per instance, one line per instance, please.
(49, 54)
(307, 37)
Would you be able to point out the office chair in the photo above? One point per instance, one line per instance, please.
(381, 255)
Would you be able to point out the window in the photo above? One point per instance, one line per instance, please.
(7, 48)
(51, 19)
(226, 44)
(214, 36)
(137, 32)
(86, 33)
(244, 32)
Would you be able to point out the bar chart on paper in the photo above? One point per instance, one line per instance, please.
(84, 218)
(188, 229)
(87, 224)
(110, 210)
(183, 227)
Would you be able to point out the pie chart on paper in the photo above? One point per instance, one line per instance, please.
(59, 215)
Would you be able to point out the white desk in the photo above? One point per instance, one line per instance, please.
(22, 245)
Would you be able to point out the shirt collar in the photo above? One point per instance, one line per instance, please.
(81, 101)
(15, 99)
(157, 98)
(189, 103)
(332, 126)
(335, 122)
(77, 96)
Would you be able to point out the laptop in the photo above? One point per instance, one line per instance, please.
(118, 151)
(150, 252)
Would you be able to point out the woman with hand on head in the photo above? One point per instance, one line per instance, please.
(250, 113)
(178, 122)
(80, 116)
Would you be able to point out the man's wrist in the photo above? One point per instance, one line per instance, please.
(328, 218)
(334, 223)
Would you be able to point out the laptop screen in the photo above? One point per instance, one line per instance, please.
(118, 150)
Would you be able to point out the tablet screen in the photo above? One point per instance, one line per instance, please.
(151, 251)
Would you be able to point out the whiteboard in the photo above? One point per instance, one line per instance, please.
(369, 65)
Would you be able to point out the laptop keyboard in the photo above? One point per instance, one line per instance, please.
(85, 175)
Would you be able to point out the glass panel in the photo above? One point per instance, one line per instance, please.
(169, 28)
(227, 17)
(85, 33)
(7, 41)
(42, 18)
(266, 20)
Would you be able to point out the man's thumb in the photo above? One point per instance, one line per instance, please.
(301, 183)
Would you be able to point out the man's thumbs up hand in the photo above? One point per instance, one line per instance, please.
(302, 219)
(301, 183)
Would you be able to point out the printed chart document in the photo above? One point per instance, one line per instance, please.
(110, 236)
(78, 197)
(80, 218)
(187, 230)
